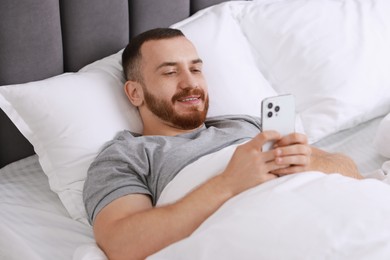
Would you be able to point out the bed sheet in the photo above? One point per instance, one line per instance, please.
(358, 143)
(35, 225)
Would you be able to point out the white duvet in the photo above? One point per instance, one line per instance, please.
(308, 215)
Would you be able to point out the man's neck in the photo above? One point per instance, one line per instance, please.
(165, 130)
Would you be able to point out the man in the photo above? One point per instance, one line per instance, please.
(166, 83)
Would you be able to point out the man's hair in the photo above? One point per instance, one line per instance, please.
(131, 57)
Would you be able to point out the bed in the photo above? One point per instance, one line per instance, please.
(61, 99)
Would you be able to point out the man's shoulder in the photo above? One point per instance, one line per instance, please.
(122, 137)
(120, 142)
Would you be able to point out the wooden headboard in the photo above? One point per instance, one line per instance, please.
(43, 38)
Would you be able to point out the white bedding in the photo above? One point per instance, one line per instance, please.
(303, 216)
(382, 137)
(35, 225)
(358, 143)
(366, 145)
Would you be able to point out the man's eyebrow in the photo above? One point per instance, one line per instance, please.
(166, 64)
(172, 63)
(196, 61)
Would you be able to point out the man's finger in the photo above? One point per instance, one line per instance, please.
(293, 138)
(263, 137)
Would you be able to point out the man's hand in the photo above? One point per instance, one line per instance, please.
(293, 150)
(250, 166)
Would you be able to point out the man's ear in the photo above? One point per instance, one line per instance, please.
(134, 92)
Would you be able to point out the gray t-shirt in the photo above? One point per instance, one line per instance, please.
(146, 164)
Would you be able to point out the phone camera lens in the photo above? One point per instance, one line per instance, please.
(269, 114)
(270, 105)
(277, 108)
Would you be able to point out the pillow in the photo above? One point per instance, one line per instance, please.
(235, 84)
(67, 119)
(334, 56)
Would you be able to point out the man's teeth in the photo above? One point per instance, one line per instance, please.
(189, 99)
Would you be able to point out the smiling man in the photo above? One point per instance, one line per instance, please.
(184, 102)
(165, 82)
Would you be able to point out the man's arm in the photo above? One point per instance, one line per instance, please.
(130, 228)
(333, 163)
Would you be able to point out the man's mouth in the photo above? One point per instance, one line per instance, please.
(189, 99)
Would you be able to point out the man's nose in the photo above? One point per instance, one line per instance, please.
(188, 80)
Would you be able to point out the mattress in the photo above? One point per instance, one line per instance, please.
(35, 225)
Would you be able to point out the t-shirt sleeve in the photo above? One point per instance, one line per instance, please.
(116, 172)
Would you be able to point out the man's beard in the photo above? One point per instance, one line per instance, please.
(164, 109)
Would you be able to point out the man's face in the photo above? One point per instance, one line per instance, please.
(173, 85)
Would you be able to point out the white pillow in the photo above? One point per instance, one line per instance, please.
(235, 84)
(67, 119)
(334, 56)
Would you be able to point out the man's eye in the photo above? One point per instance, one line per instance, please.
(169, 73)
(197, 70)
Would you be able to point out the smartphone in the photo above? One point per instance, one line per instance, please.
(278, 113)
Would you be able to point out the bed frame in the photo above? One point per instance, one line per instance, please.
(44, 38)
